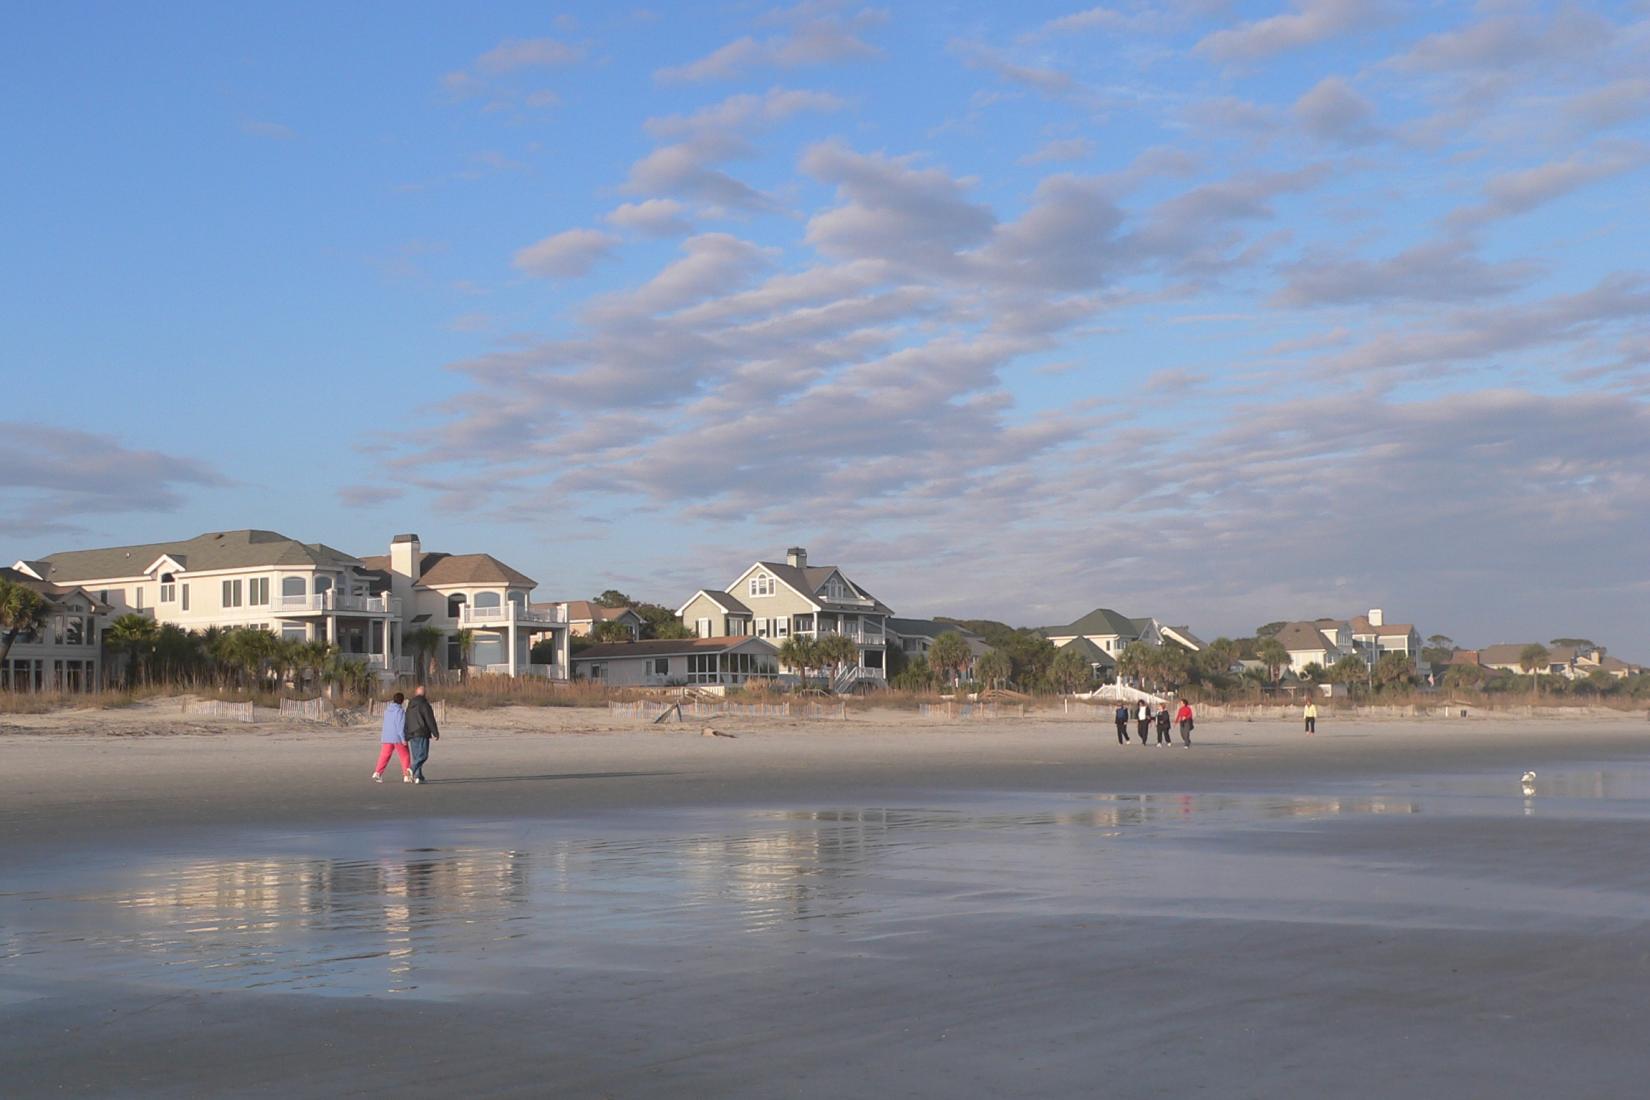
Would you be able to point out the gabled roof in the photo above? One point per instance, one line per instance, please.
(1361, 625)
(926, 628)
(439, 570)
(214, 550)
(1300, 637)
(51, 592)
(1176, 633)
(1091, 652)
(810, 579)
(579, 611)
(1511, 654)
(1100, 621)
(670, 647)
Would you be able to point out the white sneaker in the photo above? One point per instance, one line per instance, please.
(376, 778)
(418, 781)
(406, 777)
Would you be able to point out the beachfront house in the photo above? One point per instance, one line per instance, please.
(583, 617)
(697, 662)
(247, 578)
(314, 592)
(1108, 631)
(1320, 643)
(775, 600)
(482, 607)
(1373, 637)
(915, 637)
(65, 654)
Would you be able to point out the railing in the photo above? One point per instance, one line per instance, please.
(337, 601)
(372, 660)
(863, 637)
(511, 613)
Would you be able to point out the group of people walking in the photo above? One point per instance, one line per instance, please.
(408, 730)
(1146, 720)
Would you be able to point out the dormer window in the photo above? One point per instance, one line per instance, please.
(836, 590)
(168, 588)
(762, 585)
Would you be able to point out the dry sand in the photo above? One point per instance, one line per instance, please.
(888, 906)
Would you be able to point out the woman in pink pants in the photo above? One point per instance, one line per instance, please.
(394, 740)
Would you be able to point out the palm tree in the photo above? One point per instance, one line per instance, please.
(22, 611)
(466, 649)
(836, 651)
(425, 642)
(949, 655)
(1068, 670)
(134, 636)
(1270, 652)
(1135, 662)
(993, 668)
(1532, 659)
(799, 652)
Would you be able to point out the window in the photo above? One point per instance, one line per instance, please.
(702, 668)
(231, 593)
(701, 627)
(661, 666)
(257, 593)
(762, 585)
(836, 590)
(168, 589)
(184, 602)
(455, 605)
(294, 632)
(137, 597)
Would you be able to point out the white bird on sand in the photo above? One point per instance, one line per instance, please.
(1529, 782)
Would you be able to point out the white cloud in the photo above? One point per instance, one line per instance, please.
(812, 34)
(57, 480)
(565, 255)
(1332, 111)
(1515, 193)
(1060, 151)
(526, 53)
(1312, 22)
(652, 218)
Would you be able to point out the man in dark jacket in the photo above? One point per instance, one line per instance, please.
(420, 729)
(1121, 717)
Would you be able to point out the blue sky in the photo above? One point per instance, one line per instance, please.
(1217, 312)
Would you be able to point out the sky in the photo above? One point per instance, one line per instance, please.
(1217, 312)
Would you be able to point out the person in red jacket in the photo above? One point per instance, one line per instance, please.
(1183, 716)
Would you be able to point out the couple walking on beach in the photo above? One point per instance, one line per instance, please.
(1145, 719)
(408, 730)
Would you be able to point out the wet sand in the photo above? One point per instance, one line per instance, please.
(585, 908)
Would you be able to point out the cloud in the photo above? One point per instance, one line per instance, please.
(743, 112)
(1515, 193)
(891, 209)
(652, 218)
(369, 496)
(57, 479)
(490, 72)
(275, 131)
(1614, 104)
(687, 168)
(1060, 151)
(1048, 82)
(513, 54)
(1513, 40)
(1093, 19)
(1331, 111)
(812, 34)
(565, 255)
(1441, 271)
(1312, 22)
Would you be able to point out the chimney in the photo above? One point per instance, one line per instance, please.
(405, 556)
(797, 556)
(1376, 618)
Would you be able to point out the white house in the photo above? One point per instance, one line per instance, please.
(694, 661)
(474, 593)
(311, 591)
(1108, 631)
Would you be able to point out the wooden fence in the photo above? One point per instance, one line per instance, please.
(653, 711)
(971, 710)
(217, 708)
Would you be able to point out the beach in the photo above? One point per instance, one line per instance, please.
(585, 905)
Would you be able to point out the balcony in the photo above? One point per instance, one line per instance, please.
(863, 636)
(330, 602)
(509, 614)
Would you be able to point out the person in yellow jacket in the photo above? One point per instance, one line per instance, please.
(1311, 716)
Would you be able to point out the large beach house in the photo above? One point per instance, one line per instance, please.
(311, 591)
(775, 600)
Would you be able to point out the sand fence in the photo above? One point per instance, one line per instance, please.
(217, 708)
(653, 711)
